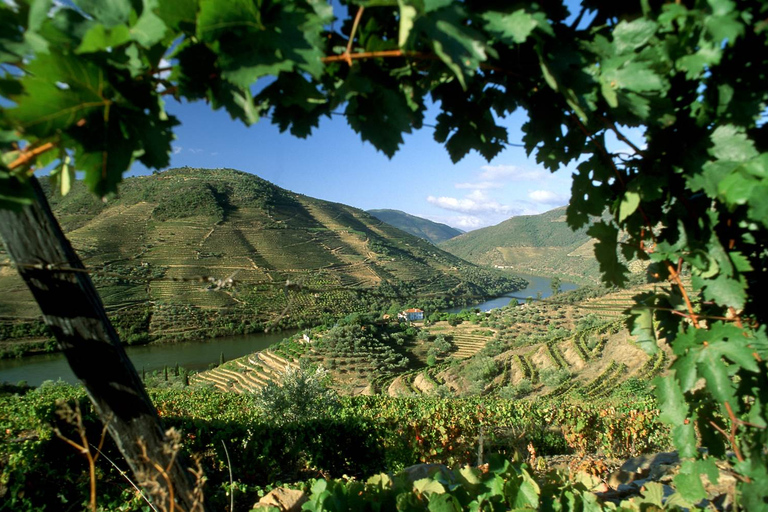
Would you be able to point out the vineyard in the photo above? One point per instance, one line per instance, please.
(541, 349)
(389, 434)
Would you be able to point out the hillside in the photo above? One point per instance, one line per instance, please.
(423, 228)
(533, 244)
(163, 251)
(570, 344)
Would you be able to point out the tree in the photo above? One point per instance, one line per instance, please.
(679, 85)
(555, 285)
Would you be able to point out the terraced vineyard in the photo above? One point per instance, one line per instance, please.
(247, 374)
(539, 349)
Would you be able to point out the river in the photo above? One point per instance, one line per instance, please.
(536, 284)
(192, 355)
(198, 355)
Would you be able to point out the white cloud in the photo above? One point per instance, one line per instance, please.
(468, 222)
(510, 173)
(195, 150)
(480, 185)
(547, 197)
(475, 202)
(177, 150)
(463, 222)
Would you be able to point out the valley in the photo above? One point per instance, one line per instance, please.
(194, 254)
(317, 296)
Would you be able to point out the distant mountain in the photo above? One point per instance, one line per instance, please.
(536, 244)
(163, 250)
(423, 228)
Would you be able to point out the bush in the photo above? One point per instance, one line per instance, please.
(301, 395)
(553, 377)
(523, 388)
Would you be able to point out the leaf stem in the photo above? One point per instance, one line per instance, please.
(355, 23)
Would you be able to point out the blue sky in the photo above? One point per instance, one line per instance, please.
(335, 165)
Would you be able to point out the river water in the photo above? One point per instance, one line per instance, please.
(192, 355)
(536, 284)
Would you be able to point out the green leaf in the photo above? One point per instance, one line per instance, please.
(675, 413)
(149, 28)
(511, 28)
(444, 503)
(758, 206)
(99, 38)
(613, 271)
(674, 409)
(526, 495)
(428, 486)
(433, 5)
(633, 76)
(46, 107)
(628, 36)
(688, 481)
(731, 144)
(407, 16)
(686, 368)
(726, 291)
(110, 13)
(256, 40)
(628, 205)
(63, 176)
(470, 475)
(715, 374)
(736, 188)
(460, 47)
(640, 324)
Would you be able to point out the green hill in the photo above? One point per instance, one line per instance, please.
(161, 251)
(532, 244)
(423, 228)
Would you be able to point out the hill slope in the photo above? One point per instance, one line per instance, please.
(570, 344)
(423, 228)
(534, 244)
(163, 249)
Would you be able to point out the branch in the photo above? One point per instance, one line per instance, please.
(612, 126)
(675, 275)
(28, 155)
(355, 23)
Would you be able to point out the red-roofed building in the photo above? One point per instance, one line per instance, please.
(410, 315)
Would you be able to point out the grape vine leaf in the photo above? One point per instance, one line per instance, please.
(613, 271)
(510, 28)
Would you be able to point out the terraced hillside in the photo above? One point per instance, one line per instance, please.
(549, 348)
(194, 253)
(532, 244)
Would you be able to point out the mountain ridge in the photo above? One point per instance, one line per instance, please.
(435, 232)
(540, 244)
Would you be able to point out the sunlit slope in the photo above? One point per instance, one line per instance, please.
(167, 245)
(423, 228)
(537, 244)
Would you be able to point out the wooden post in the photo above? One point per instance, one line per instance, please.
(75, 314)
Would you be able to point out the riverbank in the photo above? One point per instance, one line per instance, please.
(192, 355)
(536, 285)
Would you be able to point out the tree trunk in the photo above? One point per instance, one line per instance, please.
(74, 312)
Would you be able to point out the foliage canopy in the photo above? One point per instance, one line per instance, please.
(87, 85)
